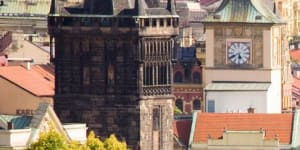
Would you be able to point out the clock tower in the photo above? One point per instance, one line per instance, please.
(113, 69)
(243, 58)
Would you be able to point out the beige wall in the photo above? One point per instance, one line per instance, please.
(25, 49)
(217, 36)
(260, 75)
(209, 48)
(13, 98)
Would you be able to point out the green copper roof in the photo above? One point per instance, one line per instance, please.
(25, 8)
(243, 11)
(19, 122)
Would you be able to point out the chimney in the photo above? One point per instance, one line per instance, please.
(28, 65)
(251, 110)
(10, 125)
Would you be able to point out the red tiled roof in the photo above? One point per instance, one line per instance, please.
(213, 124)
(295, 55)
(182, 129)
(39, 80)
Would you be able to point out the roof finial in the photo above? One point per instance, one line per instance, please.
(139, 7)
(171, 7)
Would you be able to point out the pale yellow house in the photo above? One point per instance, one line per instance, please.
(22, 89)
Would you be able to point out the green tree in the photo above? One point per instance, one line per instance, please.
(50, 140)
(94, 143)
(112, 143)
(177, 111)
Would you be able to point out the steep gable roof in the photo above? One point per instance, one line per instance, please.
(243, 11)
(182, 129)
(39, 80)
(213, 124)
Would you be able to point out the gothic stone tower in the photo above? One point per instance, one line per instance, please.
(113, 61)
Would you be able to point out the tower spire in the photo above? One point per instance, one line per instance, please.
(139, 7)
(171, 7)
(52, 7)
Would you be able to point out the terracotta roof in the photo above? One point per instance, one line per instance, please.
(182, 129)
(213, 124)
(295, 55)
(39, 80)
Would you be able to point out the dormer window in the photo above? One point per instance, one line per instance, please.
(217, 17)
(258, 17)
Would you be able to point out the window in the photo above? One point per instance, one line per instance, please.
(147, 23)
(161, 22)
(179, 104)
(197, 77)
(210, 106)
(169, 22)
(178, 77)
(153, 22)
(196, 104)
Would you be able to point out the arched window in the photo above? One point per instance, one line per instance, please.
(196, 104)
(197, 77)
(179, 104)
(178, 77)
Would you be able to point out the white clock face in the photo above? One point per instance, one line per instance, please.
(239, 52)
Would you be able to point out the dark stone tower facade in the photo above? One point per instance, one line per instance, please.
(113, 67)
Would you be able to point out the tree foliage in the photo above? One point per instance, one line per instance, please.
(94, 143)
(177, 111)
(112, 143)
(52, 140)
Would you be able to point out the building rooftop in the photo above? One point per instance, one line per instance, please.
(246, 11)
(38, 80)
(19, 122)
(227, 86)
(182, 129)
(214, 124)
(25, 8)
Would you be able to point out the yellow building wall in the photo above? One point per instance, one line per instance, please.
(14, 98)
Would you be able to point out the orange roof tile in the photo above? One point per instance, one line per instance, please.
(295, 55)
(182, 129)
(39, 80)
(213, 124)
